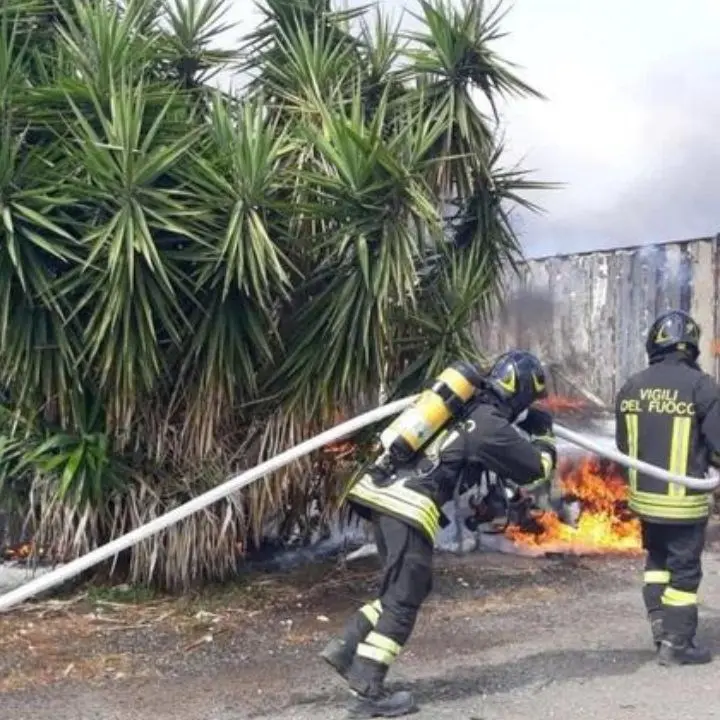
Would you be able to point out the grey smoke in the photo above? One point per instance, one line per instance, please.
(673, 196)
(676, 196)
(528, 307)
(526, 317)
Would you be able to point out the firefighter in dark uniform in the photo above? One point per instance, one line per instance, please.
(404, 507)
(669, 415)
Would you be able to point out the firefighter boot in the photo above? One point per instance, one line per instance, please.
(339, 655)
(652, 596)
(678, 645)
(657, 629)
(339, 652)
(372, 699)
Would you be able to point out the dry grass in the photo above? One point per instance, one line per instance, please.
(205, 547)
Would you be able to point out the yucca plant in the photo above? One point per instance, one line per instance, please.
(193, 281)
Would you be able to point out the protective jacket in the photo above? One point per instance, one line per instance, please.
(669, 415)
(483, 440)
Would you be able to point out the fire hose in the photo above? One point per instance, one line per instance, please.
(704, 484)
(111, 549)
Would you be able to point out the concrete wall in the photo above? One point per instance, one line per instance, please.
(590, 312)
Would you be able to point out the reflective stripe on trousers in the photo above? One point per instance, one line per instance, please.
(678, 598)
(379, 649)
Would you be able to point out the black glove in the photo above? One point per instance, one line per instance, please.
(537, 422)
(499, 508)
(487, 508)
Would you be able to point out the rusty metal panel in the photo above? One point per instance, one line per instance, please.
(590, 312)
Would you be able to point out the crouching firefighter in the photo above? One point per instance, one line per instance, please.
(457, 429)
(669, 415)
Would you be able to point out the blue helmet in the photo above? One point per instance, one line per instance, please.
(519, 379)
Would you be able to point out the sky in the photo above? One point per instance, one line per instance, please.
(630, 126)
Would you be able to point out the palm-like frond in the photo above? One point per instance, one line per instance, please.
(184, 273)
(371, 191)
(127, 289)
(236, 178)
(37, 353)
(451, 57)
(109, 42)
(306, 67)
(262, 47)
(193, 27)
(381, 52)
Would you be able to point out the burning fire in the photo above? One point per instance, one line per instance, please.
(21, 553)
(605, 524)
(559, 403)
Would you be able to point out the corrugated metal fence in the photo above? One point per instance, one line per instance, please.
(590, 312)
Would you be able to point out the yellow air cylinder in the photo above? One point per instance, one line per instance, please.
(435, 407)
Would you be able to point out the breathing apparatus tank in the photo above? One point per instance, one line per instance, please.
(443, 401)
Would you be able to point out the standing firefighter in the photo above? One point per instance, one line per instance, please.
(669, 415)
(458, 428)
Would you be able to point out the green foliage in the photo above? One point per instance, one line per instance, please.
(192, 281)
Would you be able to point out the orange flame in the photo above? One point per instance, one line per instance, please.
(339, 449)
(560, 403)
(21, 552)
(605, 525)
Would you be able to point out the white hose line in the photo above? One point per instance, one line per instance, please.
(105, 552)
(109, 550)
(704, 484)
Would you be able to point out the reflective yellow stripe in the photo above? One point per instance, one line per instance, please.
(379, 648)
(548, 467)
(679, 451)
(400, 500)
(398, 491)
(349, 485)
(656, 577)
(421, 507)
(666, 501)
(631, 429)
(665, 512)
(535, 485)
(384, 643)
(398, 508)
(678, 598)
(675, 504)
(372, 612)
(375, 654)
(688, 507)
(547, 463)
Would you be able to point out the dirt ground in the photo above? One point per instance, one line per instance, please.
(114, 635)
(497, 629)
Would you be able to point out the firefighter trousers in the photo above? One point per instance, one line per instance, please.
(673, 571)
(380, 629)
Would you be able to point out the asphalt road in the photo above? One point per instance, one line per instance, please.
(507, 639)
(584, 658)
